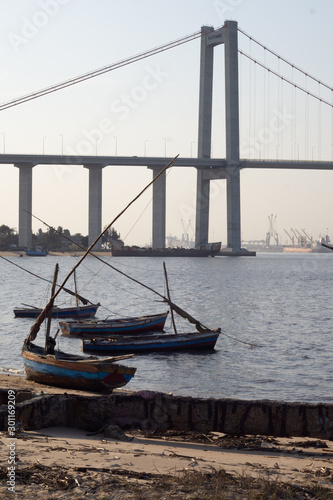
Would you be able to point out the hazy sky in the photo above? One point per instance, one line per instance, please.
(151, 108)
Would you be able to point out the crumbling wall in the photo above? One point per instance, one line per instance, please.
(152, 411)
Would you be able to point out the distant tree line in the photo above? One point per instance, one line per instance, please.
(53, 239)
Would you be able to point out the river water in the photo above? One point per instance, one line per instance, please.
(280, 302)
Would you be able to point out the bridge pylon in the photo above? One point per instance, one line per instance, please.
(227, 35)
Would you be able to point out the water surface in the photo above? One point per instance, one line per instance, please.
(281, 302)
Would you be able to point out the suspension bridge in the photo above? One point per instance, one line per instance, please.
(286, 123)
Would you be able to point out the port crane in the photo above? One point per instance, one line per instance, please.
(308, 237)
(185, 236)
(291, 237)
(296, 236)
(301, 239)
(271, 231)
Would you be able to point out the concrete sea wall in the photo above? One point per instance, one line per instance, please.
(152, 411)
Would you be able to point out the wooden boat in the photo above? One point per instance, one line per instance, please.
(152, 343)
(74, 372)
(36, 252)
(46, 365)
(203, 339)
(87, 311)
(107, 327)
(80, 311)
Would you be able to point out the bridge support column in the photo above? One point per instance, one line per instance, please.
(232, 134)
(25, 204)
(95, 204)
(204, 134)
(202, 208)
(159, 202)
(233, 208)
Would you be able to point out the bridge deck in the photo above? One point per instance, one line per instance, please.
(139, 161)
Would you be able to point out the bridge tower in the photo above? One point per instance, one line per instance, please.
(227, 35)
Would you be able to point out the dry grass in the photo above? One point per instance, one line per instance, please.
(60, 482)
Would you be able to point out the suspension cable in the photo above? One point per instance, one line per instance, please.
(105, 69)
(286, 80)
(285, 60)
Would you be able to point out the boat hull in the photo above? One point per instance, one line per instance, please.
(36, 253)
(79, 312)
(74, 372)
(152, 343)
(205, 250)
(123, 326)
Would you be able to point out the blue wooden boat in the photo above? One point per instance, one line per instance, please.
(203, 339)
(84, 311)
(107, 327)
(36, 252)
(79, 312)
(74, 372)
(46, 365)
(197, 341)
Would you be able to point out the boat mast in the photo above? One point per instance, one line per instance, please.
(49, 318)
(168, 294)
(75, 288)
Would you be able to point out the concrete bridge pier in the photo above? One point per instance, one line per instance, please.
(159, 211)
(95, 203)
(202, 207)
(25, 203)
(233, 209)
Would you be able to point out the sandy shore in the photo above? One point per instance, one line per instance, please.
(87, 461)
(64, 462)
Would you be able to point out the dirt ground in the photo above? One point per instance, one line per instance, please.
(113, 464)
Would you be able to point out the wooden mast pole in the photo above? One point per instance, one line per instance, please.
(170, 303)
(49, 318)
(75, 288)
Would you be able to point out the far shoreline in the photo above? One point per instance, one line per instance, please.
(79, 253)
